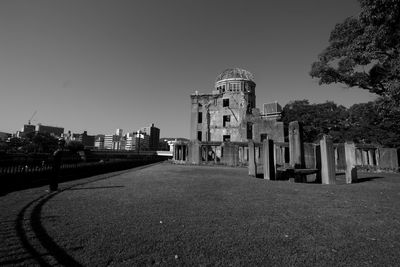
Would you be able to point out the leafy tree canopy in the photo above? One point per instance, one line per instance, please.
(370, 123)
(364, 51)
(75, 146)
(317, 119)
(362, 123)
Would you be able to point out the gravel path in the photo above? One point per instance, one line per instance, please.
(167, 214)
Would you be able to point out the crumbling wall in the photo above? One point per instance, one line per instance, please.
(274, 129)
(388, 159)
(236, 111)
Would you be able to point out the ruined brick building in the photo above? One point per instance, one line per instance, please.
(228, 116)
(229, 112)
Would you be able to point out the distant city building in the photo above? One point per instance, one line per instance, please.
(142, 142)
(28, 128)
(144, 139)
(119, 132)
(67, 136)
(87, 140)
(137, 141)
(99, 141)
(52, 130)
(130, 141)
(154, 136)
(4, 136)
(111, 141)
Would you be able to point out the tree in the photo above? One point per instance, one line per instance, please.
(317, 119)
(44, 142)
(365, 123)
(364, 51)
(369, 123)
(75, 146)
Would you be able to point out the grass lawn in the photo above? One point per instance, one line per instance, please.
(205, 216)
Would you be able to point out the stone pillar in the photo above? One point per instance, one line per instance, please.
(328, 173)
(359, 160)
(275, 160)
(371, 157)
(195, 152)
(252, 160)
(241, 159)
(229, 154)
(317, 155)
(268, 159)
(351, 170)
(365, 157)
(174, 152)
(377, 156)
(295, 145)
(180, 152)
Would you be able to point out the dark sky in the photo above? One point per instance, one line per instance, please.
(101, 65)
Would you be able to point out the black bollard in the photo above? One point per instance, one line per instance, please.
(57, 155)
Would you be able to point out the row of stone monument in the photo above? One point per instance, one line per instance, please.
(294, 160)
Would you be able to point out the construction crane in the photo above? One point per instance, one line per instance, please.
(29, 121)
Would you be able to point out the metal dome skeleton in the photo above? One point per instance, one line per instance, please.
(235, 73)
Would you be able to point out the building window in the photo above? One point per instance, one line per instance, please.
(200, 117)
(226, 138)
(249, 130)
(225, 120)
(225, 102)
(199, 135)
(263, 137)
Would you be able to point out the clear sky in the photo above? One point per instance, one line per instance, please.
(100, 65)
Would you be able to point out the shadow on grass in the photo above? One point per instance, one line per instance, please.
(96, 187)
(367, 179)
(260, 175)
(40, 234)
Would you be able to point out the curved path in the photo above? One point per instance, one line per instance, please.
(165, 214)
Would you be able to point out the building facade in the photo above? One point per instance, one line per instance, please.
(52, 130)
(99, 141)
(226, 121)
(88, 141)
(112, 141)
(229, 113)
(153, 134)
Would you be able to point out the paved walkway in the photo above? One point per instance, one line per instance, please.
(167, 214)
